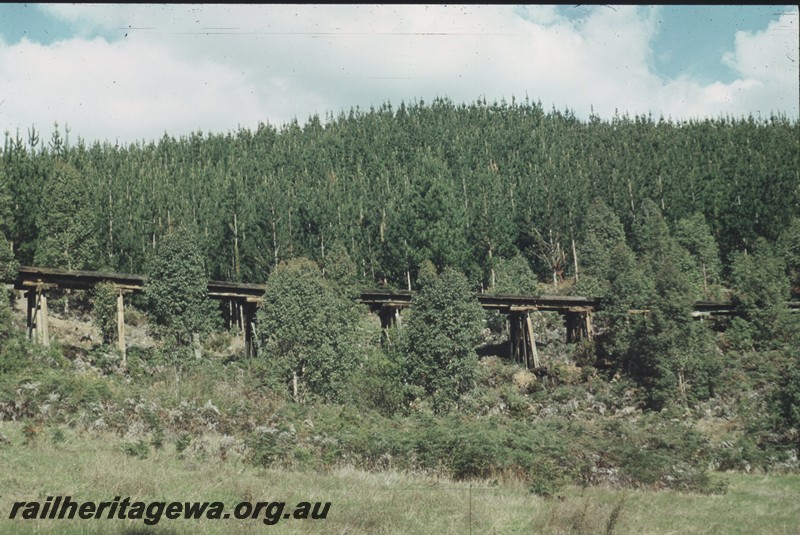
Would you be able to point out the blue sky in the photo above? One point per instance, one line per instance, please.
(133, 72)
(692, 39)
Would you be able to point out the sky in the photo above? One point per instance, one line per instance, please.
(131, 73)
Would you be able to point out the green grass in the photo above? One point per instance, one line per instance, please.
(94, 466)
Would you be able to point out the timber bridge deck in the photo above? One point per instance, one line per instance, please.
(245, 297)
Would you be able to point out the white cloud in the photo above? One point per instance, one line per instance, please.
(183, 68)
(117, 90)
(767, 65)
(768, 55)
(767, 62)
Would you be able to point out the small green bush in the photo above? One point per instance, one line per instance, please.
(309, 336)
(739, 335)
(476, 455)
(14, 355)
(547, 478)
(377, 384)
(267, 444)
(104, 311)
(75, 391)
(182, 442)
(157, 440)
(57, 435)
(440, 340)
(139, 449)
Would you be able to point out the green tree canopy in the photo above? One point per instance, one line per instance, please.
(789, 248)
(669, 353)
(65, 221)
(440, 339)
(104, 311)
(308, 332)
(340, 269)
(694, 235)
(8, 269)
(761, 289)
(598, 258)
(177, 288)
(8, 264)
(515, 276)
(6, 214)
(674, 356)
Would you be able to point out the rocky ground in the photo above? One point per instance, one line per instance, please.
(71, 327)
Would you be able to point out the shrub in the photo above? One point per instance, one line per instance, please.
(515, 276)
(267, 444)
(739, 335)
(547, 478)
(8, 270)
(104, 309)
(761, 289)
(378, 383)
(176, 289)
(14, 355)
(139, 449)
(182, 442)
(786, 398)
(310, 341)
(57, 435)
(31, 431)
(440, 339)
(157, 440)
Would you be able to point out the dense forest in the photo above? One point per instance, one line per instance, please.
(648, 215)
(465, 186)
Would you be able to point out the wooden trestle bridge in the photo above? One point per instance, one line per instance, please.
(577, 313)
(244, 299)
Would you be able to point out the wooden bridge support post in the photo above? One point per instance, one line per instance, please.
(522, 351)
(38, 327)
(38, 324)
(389, 316)
(522, 340)
(235, 320)
(248, 321)
(587, 321)
(45, 322)
(31, 295)
(571, 319)
(579, 324)
(531, 341)
(121, 326)
(513, 337)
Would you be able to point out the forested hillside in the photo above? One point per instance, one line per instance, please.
(648, 216)
(465, 186)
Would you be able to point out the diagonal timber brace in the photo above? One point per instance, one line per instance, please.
(522, 340)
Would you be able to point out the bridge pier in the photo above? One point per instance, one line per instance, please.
(579, 323)
(248, 315)
(239, 314)
(521, 339)
(121, 345)
(390, 316)
(31, 313)
(38, 324)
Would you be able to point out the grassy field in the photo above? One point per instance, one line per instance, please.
(96, 467)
